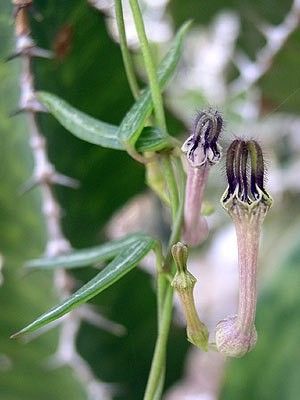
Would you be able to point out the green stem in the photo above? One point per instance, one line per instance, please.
(149, 64)
(161, 289)
(127, 60)
(176, 195)
(177, 222)
(160, 386)
(165, 292)
(161, 281)
(171, 183)
(165, 303)
(159, 357)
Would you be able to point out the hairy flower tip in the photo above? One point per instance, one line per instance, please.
(245, 169)
(202, 145)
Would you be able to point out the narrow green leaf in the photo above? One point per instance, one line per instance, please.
(97, 132)
(131, 129)
(85, 257)
(80, 124)
(134, 121)
(120, 266)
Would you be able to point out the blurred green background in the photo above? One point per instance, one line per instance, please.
(91, 77)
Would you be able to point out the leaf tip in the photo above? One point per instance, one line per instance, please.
(186, 25)
(16, 335)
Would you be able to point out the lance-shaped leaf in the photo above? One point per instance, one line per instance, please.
(98, 132)
(135, 120)
(115, 270)
(84, 257)
(131, 130)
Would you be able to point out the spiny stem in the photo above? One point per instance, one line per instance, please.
(149, 64)
(127, 60)
(44, 176)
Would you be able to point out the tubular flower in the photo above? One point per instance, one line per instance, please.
(202, 151)
(247, 202)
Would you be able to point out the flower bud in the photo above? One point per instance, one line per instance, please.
(247, 202)
(184, 283)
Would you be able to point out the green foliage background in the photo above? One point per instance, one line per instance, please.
(92, 79)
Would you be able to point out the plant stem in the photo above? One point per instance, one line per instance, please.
(149, 64)
(127, 60)
(164, 291)
(161, 281)
(160, 347)
(160, 385)
(177, 221)
(165, 302)
(171, 183)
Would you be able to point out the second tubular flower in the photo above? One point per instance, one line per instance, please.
(202, 151)
(247, 202)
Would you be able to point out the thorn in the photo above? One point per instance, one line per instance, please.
(28, 186)
(64, 180)
(33, 51)
(90, 315)
(55, 178)
(12, 56)
(33, 108)
(16, 112)
(41, 53)
(30, 105)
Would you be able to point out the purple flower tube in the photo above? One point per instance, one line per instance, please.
(202, 151)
